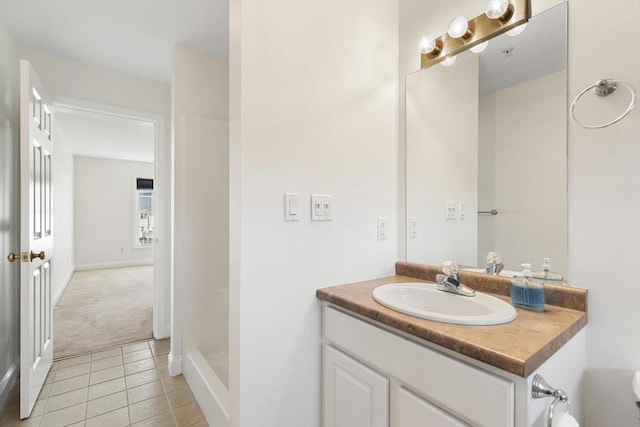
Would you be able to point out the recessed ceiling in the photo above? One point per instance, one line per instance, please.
(105, 135)
(132, 36)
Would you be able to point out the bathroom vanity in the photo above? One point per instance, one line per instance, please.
(384, 368)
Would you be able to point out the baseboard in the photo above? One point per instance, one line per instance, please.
(210, 392)
(65, 282)
(117, 264)
(7, 382)
(175, 364)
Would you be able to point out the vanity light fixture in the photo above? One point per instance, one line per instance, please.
(517, 30)
(499, 17)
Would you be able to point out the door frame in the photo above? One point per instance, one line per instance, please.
(163, 175)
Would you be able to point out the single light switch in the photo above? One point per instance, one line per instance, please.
(413, 227)
(291, 206)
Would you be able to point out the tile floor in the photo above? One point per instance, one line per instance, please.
(124, 386)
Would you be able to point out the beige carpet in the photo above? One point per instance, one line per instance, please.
(101, 309)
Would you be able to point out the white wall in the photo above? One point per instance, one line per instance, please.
(63, 213)
(104, 212)
(314, 105)
(9, 211)
(78, 84)
(604, 200)
(443, 166)
(603, 196)
(527, 172)
(200, 87)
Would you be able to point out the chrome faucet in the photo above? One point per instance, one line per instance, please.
(494, 263)
(450, 280)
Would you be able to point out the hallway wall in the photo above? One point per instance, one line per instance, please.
(104, 212)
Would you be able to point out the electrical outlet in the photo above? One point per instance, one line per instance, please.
(413, 227)
(382, 228)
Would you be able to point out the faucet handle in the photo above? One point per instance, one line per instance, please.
(450, 268)
(494, 258)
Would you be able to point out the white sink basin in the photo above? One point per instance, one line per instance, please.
(425, 301)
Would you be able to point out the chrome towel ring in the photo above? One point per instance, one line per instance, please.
(604, 88)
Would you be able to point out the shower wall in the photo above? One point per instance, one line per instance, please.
(201, 171)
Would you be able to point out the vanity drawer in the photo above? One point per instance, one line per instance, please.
(475, 396)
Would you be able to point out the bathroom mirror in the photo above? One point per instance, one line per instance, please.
(489, 133)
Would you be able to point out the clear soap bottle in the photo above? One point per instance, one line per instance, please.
(548, 276)
(526, 292)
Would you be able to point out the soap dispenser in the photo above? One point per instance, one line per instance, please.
(527, 292)
(548, 276)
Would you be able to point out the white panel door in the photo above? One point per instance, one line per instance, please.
(354, 395)
(36, 238)
(413, 411)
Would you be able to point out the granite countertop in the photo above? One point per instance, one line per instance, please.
(518, 347)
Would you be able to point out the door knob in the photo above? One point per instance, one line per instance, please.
(13, 257)
(36, 255)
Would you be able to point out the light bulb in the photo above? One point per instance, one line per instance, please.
(427, 44)
(479, 47)
(458, 27)
(517, 30)
(449, 61)
(496, 9)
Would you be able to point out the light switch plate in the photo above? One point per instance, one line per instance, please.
(321, 207)
(382, 228)
(291, 206)
(451, 210)
(413, 227)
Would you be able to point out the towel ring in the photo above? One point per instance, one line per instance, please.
(604, 88)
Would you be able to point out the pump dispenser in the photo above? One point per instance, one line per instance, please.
(548, 276)
(527, 292)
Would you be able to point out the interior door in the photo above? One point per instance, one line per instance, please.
(36, 238)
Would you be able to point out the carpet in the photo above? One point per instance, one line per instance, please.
(104, 308)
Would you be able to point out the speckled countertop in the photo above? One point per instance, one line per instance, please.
(519, 347)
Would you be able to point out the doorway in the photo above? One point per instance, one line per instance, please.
(117, 290)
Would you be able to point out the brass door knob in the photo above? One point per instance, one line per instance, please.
(36, 255)
(13, 257)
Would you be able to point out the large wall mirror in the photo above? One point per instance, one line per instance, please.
(489, 133)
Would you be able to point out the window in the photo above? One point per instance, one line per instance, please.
(144, 221)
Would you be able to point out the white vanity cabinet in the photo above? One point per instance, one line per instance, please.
(375, 377)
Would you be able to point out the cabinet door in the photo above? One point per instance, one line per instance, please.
(414, 411)
(354, 395)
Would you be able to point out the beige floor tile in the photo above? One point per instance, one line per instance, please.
(161, 360)
(182, 397)
(106, 404)
(38, 408)
(163, 420)
(64, 417)
(117, 418)
(29, 422)
(79, 424)
(106, 354)
(135, 347)
(141, 378)
(159, 347)
(106, 388)
(106, 375)
(202, 423)
(174, 383)
(73, 361)
(106, 363)
(137, 355)
(72, 371)
(71, 384)
(149, 408)
(55, 365)
(44, 391)
(145, 392)
(163, 371)
(50, 376)
(61, 401)
(188, 415)
(139, 366)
